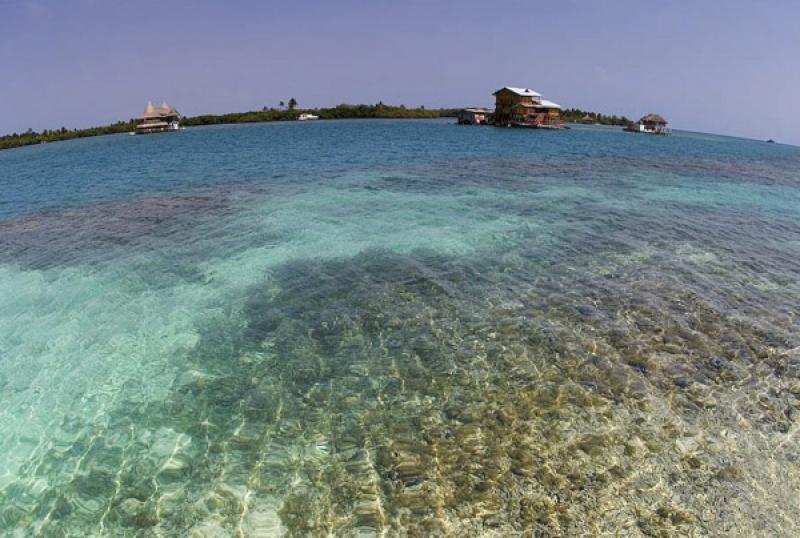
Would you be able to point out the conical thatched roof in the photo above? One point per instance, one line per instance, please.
(149, 110)
(587, 117)
(653, 118)
(164, 110)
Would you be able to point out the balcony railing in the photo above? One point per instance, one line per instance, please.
(541, 119)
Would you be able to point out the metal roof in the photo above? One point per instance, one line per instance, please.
(525, 92)
(544, 103)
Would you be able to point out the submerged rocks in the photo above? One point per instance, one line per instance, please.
(395, 397)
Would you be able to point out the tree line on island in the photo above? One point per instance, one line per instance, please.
(30, 136)
(289, 112)
(576, 115)
(284, 112)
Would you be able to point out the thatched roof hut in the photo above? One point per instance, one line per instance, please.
(158, 119)
(654, 119)
(650, 124)
(149, 110)
(161, 112)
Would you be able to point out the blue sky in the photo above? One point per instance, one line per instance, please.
(729, 67)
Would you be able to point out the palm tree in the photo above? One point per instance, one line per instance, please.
(292, 103)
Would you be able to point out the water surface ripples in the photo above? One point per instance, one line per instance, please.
(400, 328)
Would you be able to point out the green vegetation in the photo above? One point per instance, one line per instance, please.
(286, 112)
(267, 114)
(575, 115)
(30, 136)
(338, 112)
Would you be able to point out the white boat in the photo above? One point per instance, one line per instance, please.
(305, 117)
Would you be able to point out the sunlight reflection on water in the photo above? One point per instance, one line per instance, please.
(491, 337)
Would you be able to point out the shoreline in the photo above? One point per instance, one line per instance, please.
(380, 111)
(284, 121)
(220, 124)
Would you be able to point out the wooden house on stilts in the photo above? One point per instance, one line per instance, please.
(650, 124)
(524, 107)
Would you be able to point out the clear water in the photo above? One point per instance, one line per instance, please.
(399, 328)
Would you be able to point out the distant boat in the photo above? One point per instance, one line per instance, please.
(770, 141)
(306, 117)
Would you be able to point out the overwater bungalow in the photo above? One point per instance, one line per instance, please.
(474, 116)
(650, 124)
(158, 119)
(524, 107)
(587, 120)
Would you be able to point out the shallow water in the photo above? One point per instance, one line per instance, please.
(399, 328)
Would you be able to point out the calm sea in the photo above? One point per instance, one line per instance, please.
(400, 328)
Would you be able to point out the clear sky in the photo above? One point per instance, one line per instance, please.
(729, 67)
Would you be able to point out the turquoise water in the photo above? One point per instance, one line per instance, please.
(399, 328)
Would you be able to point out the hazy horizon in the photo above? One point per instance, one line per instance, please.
(729, 70)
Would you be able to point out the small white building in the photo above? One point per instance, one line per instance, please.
(474, 116)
